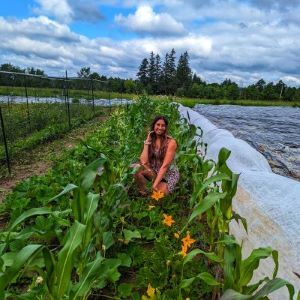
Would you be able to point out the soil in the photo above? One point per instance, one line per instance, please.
(38, 160)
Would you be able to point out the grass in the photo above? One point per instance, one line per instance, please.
(190, 102)
(57, 92)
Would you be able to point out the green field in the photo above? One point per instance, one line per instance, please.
(77, 94)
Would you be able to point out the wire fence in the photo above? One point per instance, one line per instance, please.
(34, 109)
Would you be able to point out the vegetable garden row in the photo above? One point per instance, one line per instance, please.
(24, 126)
(82, 232)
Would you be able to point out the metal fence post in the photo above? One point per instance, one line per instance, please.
(5, 141)
(92, 85)
(27, 104)
(67, 99)
(109, 102)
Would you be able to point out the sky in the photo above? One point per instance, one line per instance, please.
(240, 40)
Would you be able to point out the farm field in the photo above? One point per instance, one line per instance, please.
(81, 232)
(38, 160)
(102, 94)
(26, 126)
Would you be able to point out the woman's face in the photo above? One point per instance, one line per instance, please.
(160, 127)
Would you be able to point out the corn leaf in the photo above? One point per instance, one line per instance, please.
(250, 264)
(89, 174)
(86, 281)
(272, 286)
(65, 259)
(30, 213)
(206, 204)
(234, 295)
(21, 259)
(91, 206)
(66, 190)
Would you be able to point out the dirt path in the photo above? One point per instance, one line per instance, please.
(38, 160)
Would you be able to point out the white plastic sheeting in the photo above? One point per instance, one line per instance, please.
(269, 202)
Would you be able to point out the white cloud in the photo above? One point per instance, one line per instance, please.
(265, 46)
(291, 80)
(60, 9)
(145, 20)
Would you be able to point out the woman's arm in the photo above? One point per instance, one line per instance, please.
(170, 153)
(144, 158)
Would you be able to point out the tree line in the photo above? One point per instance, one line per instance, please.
(156, 77)
(167, 78)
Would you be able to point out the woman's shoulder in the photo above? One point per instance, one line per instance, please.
(171, 141)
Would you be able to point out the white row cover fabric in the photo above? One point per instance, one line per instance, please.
(269, 202)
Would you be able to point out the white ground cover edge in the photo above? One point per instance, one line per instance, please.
(269, 202)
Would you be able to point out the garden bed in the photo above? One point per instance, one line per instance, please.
(80, 231)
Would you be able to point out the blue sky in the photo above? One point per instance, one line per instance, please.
(240, 40)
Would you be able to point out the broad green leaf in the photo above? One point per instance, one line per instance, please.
(186, 282)
(251, 263)
(130, 235)
(273, 285)
(91, 206)
(125, 259)
(125, 289)
(232, 262)
(50, 262)
(213, 179)
(250, 289)
(84, 287)
(66, 190)
(234, 295)
(108, 239)
(223, 156)
(212, 256)
(64, 264)
(237, 217)
(112, 272)
(206, 204)
(208, 279)
(22, 258)
(30, 213)
(89, 174)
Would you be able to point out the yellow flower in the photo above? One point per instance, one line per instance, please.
(187, 240)
(150, 206)
(184, 249)
(157, 195)
(168, 220)
(150, 290)
(39, 280)
(176, 235)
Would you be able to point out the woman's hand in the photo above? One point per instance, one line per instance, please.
(155, 187)
(149, 139)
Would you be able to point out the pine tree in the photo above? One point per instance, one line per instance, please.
(158, 74)
(184, 72)
(151, 73)
(143, 72)
(169, 73)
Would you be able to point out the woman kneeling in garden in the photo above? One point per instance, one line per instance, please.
(156, 158)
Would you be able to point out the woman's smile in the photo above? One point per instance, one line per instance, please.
(160, 127)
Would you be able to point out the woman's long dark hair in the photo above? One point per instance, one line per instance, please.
(162, 151)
